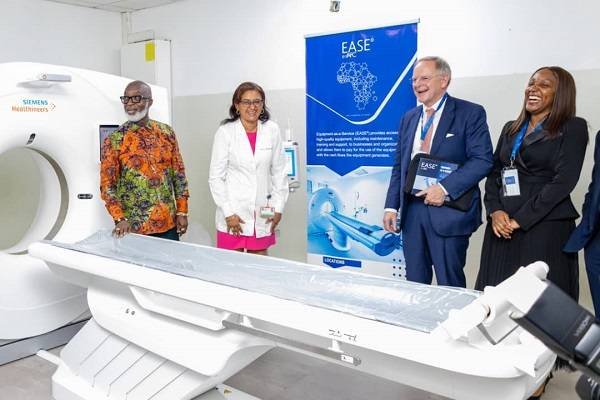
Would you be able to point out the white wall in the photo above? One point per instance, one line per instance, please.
(54, 33)
(218, 44)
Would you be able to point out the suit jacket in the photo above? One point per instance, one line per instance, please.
(590, 221)
(462, 137)
(549, 169)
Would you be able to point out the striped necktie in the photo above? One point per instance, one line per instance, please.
(426, 143)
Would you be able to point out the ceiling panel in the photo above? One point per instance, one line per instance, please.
(117, 5)
(141, 4)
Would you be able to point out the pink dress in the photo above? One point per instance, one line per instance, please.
(231, 242)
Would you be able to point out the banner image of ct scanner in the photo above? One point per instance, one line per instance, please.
(325, 213)
(57, 114)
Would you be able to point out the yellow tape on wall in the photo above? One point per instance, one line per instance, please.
(150, 52)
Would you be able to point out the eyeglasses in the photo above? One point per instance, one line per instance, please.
(248, 103)
(134, 99)
(423, 79)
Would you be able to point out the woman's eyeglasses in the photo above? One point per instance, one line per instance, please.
(248, 103)
(134, 99)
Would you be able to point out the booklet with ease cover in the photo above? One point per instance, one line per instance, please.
(426, 170)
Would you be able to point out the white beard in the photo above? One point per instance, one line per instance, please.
(138, 115)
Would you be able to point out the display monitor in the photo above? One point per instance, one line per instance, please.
(104, 131)
(290, 162)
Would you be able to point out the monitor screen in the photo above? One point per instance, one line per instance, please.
(104, 131)
(290, 162)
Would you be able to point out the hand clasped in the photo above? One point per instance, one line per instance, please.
(434, 195)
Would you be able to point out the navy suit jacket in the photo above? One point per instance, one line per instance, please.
(590, 219)
(462, 136)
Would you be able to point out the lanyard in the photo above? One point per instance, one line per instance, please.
(519, 140)
(425, 127)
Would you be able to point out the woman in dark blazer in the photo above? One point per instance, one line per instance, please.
(537, 163)
(536, 223)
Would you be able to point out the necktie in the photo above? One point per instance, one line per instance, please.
(426, 144)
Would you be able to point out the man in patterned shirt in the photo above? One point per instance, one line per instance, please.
(142, 177)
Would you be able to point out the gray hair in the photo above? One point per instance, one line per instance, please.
(441, 65)
(142, 86)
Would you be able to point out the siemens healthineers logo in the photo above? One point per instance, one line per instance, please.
(352, 48)
(35, 102)
(33, 105)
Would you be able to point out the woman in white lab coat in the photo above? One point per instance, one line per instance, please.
(247, 175)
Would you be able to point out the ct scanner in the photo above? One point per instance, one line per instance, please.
(56, 113)
(171, 320)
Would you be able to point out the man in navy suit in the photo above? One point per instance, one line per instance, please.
(453, 130)
(586, 236)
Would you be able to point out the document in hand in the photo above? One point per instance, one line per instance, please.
(426, 170)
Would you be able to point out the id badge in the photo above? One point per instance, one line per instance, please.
(267, 212)
(510, 182)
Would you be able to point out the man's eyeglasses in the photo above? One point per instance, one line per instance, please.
(424, 79)
(248, 103)
(134, 99)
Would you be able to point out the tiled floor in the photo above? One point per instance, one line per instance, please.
(279, 375)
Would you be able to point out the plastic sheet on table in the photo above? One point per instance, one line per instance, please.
(398, 302)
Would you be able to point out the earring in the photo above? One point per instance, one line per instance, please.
(262, 111)
(237, 112)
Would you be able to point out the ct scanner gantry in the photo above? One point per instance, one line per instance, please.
(58, 115)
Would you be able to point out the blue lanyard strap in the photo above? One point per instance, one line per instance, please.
(425, 127)
(519, 139)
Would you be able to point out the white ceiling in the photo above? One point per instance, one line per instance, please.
(117, 5)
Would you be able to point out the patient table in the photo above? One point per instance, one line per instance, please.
(173, 320)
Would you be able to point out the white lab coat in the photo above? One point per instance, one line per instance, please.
(241, 181)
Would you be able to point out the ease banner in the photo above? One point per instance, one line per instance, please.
(358, 85)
